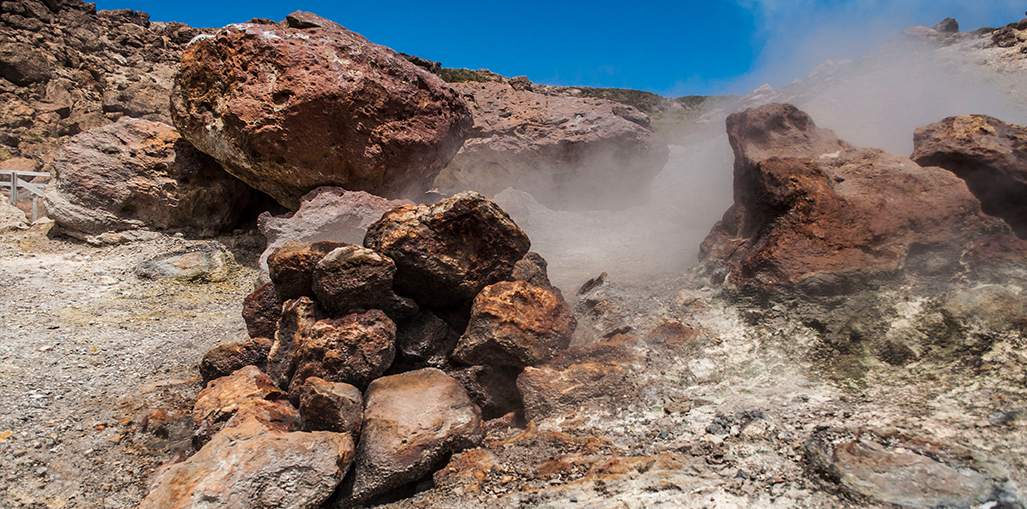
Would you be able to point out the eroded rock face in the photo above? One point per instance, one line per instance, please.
(812, 209)
(251, 466)
(298, 318)
(569, 153)
(989, 154)
(289, 109)
(515, 324)
(447, 252)
(411, 420)
(354, 349)
(137, 173)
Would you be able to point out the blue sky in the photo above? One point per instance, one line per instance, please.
(671, 48)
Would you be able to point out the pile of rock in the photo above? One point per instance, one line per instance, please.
(403, 346)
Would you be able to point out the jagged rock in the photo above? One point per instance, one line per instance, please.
(326, 213)
(223, 360)
(533, 269)
(251, 466)
(947, 26)
(492, 388)
(354, 279)
(424, 341)
(989, 154)
(223, 396)
(893, 469)
(447, 252)
(261, 310)
(354, 349)
(814, 210)
(291, 267)
(23, 65)
(328, 406)
(411, 421)
(298, 318)
(138, 173)
(344, 112)
(11, 217)
(278, 414)
(569, 153)
(515, 324)
(207, 263)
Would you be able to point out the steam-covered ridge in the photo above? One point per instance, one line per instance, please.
(280, 265)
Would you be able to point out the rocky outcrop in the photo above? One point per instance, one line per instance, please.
(447, 252)
(989, 154)
(814, 210)
(411, 421)
(333, 110)
(140, 174)
(326, 213)
(569, 153)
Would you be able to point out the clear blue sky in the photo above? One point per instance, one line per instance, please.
(671, 48)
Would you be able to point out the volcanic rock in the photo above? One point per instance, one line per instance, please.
(22, 64)
(533, 269)
(411, 421)
(947, 26)
(447, 252)
(251, 466)
(492, 388)
(326, 213)
(569, 153)
(298, 318)
(328, 406)
(812, 209)
(138, 173)
(354, 279)
(354, 349)
(515, 324)
(278, 414)
(261, 310)
(291, 267)
(290, 109)
(989, 154)
(225, 359)
(424, 341)
(11, 217)
(223, 397)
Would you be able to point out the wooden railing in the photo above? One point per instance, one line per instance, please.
(21, 189)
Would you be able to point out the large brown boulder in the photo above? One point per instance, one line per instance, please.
(306, 103)
(514, 323)
(331, 406)
(252, 466)
(291, 267)
(223, 360)
(354, 279)
(989, 154)
(568, 152)
(22, 64)
(137, 173)
(411, 421)
(354, 349)
(447, 252)
(812, 209)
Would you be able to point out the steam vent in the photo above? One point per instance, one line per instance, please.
(277, 265)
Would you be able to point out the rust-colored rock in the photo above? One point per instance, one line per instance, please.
(291, 267)
(354, 349)
(251, 466)
(514, 323)
(328, 406)
(223, 360)
(290, 109)
(223, 397)
(533, 269)
(261, 310)
(137, 173)
(447, 252)
(354, 279)
(492, 388)
(812, 209)
(411, 421)
(989, 154)
(298, 318)
(568, 152)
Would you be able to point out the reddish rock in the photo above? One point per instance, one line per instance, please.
(989, 154)
(251, 466)
(515, 324)
(567, 152)
(354, 349)
(225, 359)
(326, 213)
(447, 252)
(291, 267)
(411, 422)
(278, 414)
(328, 406)
(223, 397)
(812, 209)
(298, 318)
(261, 310)
(290, 109)
(492, 388)
(424, 341)
(138, 173)
(23, 64)
(354, 279)
(533, 269)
